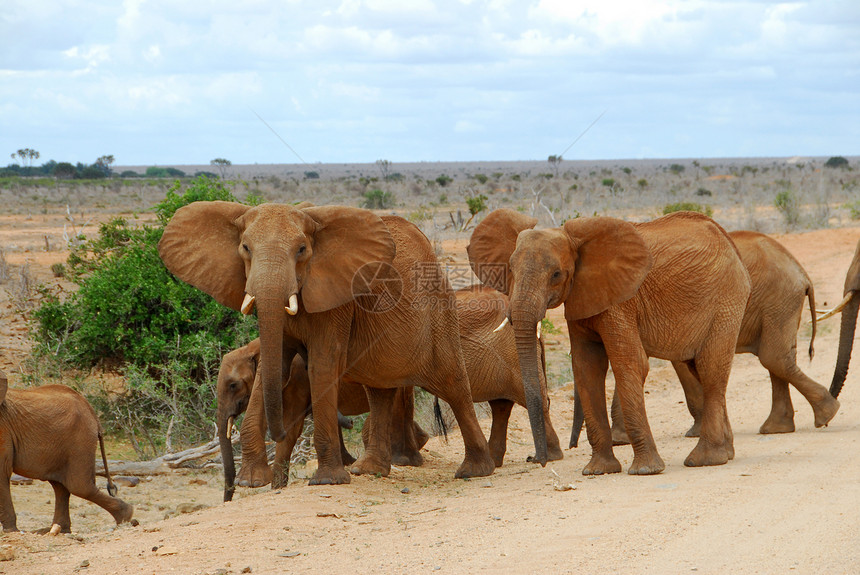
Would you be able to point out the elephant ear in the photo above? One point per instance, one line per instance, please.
(346, 239)
(612, 261)
(852, 278)
(492, 244)
(200, 246)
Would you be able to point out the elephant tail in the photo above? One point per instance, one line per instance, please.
(440, 421)
(810, 293)
(111, 487)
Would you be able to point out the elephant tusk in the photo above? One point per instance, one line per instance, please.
(837, 309)
(230, 426)
(248, 304)
(537, 330)
(505, 322)
(293, 308)
(55, 529)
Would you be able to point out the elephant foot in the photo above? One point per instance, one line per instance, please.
(601, 464)
(254, 474)
(706, 454)
(825, 410)
(652, 464)
(695, 430)
(476, 467)
(124, 514)
(619, 436)
(409, 459)
(498, 455)
(330, 476)
(369, 465)
(777, 425)
(421, 436)
(553, 453)
(280, 474)
(346, 457)
(54, 529)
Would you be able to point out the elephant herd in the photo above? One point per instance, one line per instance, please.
(354, 311)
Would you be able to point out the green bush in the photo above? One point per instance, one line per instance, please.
(788, 205)
(444, 180)
(131, 314)
(688, 207)
(156, 172)
(836, 162)
(477, 204)
(377, 200)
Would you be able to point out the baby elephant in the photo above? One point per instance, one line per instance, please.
(238, 391)
(50, 433)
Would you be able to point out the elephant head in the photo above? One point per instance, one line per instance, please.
(588, 265)
(285, 260)
(235, 381)
(849, 308)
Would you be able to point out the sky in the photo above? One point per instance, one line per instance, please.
(161, 82)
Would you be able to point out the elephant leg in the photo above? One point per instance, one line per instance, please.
(296, 399)
(7, 510)
(377, 457)
(501, 410)
(80, 481)
(781, 418)
(255, 470)
(630, 373)
(784, 366)
(712, 367)
(693, 394)
(590, 364)
(345, 455)
(326, 363)
(619, 430)
(456, 393)
(404, 444)
(61, 508)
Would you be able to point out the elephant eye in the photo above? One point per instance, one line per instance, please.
(556, 275)
(233, 386)
(302, 250)
(246, 248)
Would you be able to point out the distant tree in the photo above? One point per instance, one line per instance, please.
(222, 165)
(130, 174)
(555, 162)
(836, 162)
(156, 172)
(384, 168)
(27, 155)
(175, 173)
(93, 172)
(444, 180)
(312, 175)
(104, 163)
(65, 171)
(676, 169)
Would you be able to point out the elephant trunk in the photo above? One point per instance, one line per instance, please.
(846, 344)
(226, 454)
(524, 317)
(270, 314)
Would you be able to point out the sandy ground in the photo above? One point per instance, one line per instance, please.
(787, 503)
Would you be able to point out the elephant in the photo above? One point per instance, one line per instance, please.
(362, 296)
(238, 391)
(673, 288)
(493, 365)
(491, 362)
(848, 325)
(779, 289)
(50, 433)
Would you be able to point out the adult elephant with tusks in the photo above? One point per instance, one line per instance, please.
(340, 282)
(674, 288)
